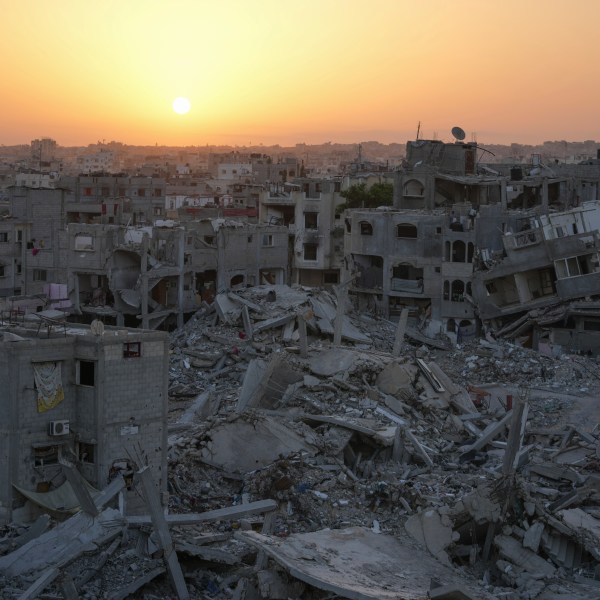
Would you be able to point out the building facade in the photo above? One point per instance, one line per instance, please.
(96, 398)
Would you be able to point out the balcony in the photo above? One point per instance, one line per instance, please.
(410, 286)
(524, 239)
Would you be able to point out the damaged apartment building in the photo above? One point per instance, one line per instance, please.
(465, 245)
(100, 248)
(94, 397)
(307, 209)
(148, 275)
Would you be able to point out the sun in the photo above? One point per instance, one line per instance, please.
(181, 105)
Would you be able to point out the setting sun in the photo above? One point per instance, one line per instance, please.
(147, 76)
(181, 105)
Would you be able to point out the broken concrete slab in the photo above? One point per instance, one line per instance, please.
(482, 505)
(265, 384)
(38, 586)
(243, 445)
(450, 592)
(279, 321)
(272, 585)
(383, 433)
(433, 531)
(513, 551)
(215, 555)
(533, 536)
(349, 331)
(357, 563)
(245, 302)
(135, 585)
(331, 362)
(229, 312)
(61, 544)
(584, 524)
(396, 379)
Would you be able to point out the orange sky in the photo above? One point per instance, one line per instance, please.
(268, 71)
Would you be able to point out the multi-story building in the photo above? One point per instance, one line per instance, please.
(450, 215)
(95, 397)
(543, 283)
(314, 226)
(101, 161)
(147, 276)
(32, 240)
(115, 199)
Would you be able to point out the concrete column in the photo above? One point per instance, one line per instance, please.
(400, 331)
(144, 286)
(545, 193)
(180, 278)
(342, 294)
(303, 338)
(76, 305)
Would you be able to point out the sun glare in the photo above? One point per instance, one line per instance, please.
(181, 105)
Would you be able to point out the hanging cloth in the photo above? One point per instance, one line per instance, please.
(48, 383)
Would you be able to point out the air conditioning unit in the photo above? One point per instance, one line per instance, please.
(58, 428)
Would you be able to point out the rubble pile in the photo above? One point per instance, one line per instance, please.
(299, 468)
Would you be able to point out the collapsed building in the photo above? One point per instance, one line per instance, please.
(466, 249)
(543, 285)
(146, 276)
(365, 468)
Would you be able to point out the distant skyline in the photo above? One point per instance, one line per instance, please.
(271, 72)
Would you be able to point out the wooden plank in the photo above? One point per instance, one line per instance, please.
(431, 377)
(219, 514)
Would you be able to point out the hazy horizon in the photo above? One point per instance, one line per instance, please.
(292, 144)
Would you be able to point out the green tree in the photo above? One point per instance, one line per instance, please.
(359, 196)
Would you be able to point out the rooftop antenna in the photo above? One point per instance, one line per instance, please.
(458, 133)
(418, 129)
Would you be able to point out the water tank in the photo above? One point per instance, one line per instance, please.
(516, 173)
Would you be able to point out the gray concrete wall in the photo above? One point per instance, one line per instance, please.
(124, 414)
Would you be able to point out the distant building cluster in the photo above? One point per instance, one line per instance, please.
(467, 246)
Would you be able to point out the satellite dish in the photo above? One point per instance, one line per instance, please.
(458, 133)
(97, 327)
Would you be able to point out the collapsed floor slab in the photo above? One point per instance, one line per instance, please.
(357, 563)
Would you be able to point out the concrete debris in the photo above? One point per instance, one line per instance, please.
(296, 467)
(356, 563)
